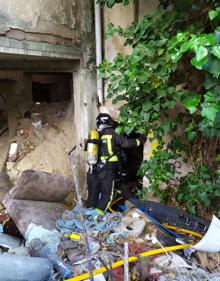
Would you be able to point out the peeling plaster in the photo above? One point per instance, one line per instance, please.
(57, 17)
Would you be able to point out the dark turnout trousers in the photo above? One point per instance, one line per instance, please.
(100, 189)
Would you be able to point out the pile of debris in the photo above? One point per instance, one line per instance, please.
(65, 252)
(81, 244)
(150, 252)
(44, 137)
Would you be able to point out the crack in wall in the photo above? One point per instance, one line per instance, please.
(22, 35)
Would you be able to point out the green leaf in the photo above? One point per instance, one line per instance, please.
(199, 64)
(192, 209)
(212, 66)
(217, 192)
(216, 51)
(176, 56)
(185, 47)
(143, 77)
(156, 107)
(175, 40)
(217, 158)
(201, 53)
(128, 130)
(191, 135)
(217, 36)
(213, 14)
(165, 126)
(209, 97)
(161, 93)
(146, 116)
(217, 120)
(210, 81)
(118, 130)
(204, 198)
(209, 111)
(160, 51)
(147, 106)
(208, 39)
(191, 102)
(169, 104)
(117, 99)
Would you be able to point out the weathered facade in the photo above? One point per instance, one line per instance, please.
(51, 21)
(41, 40)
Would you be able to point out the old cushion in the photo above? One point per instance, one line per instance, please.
(41, 186)
(24, 212)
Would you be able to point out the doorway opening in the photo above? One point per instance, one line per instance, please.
(51, 87)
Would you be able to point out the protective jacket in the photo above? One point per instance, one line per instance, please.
(110, 145)
(101, 181)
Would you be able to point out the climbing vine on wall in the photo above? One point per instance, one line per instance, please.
(171, 80)
(111, 3)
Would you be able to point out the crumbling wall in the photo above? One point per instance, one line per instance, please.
(52, 21)
(85, 94)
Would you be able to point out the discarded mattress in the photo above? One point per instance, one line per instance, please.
(25, 212)
(41, 186)
(35, 199)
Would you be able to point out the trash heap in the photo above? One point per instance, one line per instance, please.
(76, 248)
(103, 250)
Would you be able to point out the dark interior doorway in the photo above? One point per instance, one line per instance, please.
(6, 88)
(3, 114)
(41, 92)
(51, 87)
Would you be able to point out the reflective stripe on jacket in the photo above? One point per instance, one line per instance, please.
(109, 143)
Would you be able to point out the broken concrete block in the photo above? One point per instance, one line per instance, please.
(132, 225)
(13, 152)
(13, 173)
(10, 165)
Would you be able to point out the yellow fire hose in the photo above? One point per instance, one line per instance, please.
(113, 203)
(130, 259)
(183, 230)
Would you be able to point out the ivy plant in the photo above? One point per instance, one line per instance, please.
(200, 189)
(175, 63)
(111, 3)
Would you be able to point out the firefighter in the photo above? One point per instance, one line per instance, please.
(103, 173)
